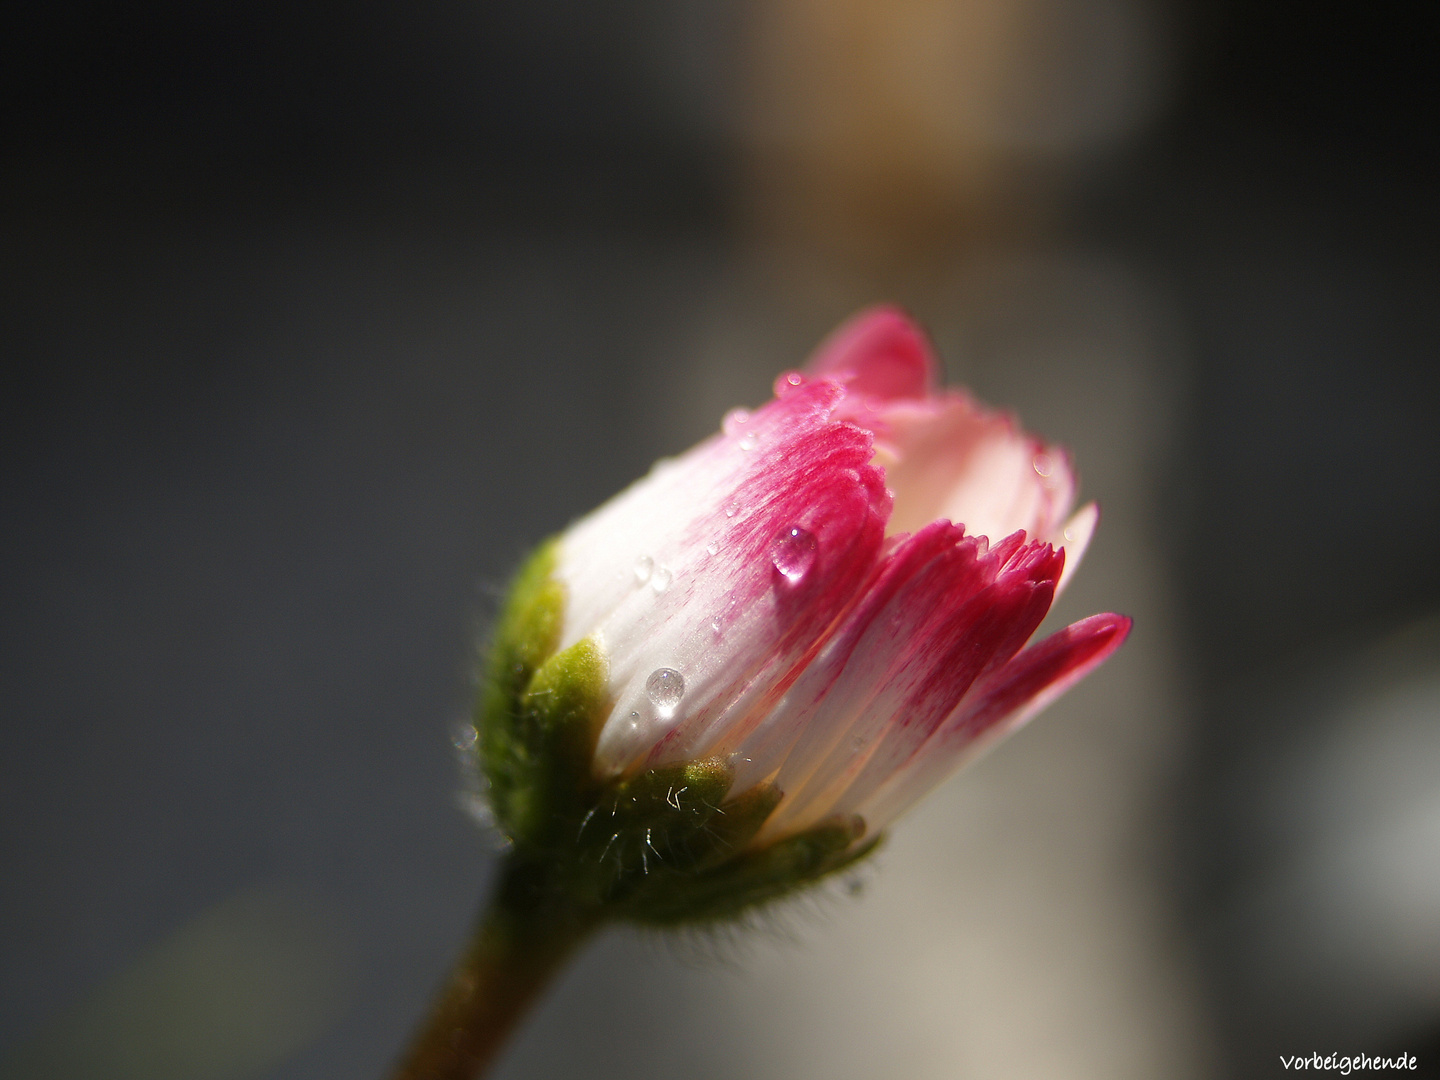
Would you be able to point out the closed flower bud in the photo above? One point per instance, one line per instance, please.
(727, 681)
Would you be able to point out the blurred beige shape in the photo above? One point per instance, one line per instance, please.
(885, 129)
(228, 996)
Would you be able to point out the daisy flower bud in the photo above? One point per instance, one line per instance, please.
(727, 681)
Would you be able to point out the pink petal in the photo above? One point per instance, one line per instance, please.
(842, 681)
(995, 706)
(880, 353)
(966, 634)
(1039, 675)
(728, 617)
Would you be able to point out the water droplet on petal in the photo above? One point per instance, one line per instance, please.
(734, 419)
(1069, 536)
(660, 580)
(731, 510)
(794, 553)
(788, 383)
(713, 548)
(665, 687)
(749, 441)
(643, 567)
(1043, 465)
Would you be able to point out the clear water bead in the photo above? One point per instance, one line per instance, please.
(1044, 466)
(713, 548)
(734, 421)
(644, 566)
(660, 580)
(794, 553)
(749, 441)
(665, 687)
(788, 383)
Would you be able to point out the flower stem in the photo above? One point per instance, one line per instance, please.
(522, 940)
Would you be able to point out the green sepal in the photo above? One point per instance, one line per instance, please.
(554, 741)
(527, 632)
(666, 846)
(761, 876)
(737, 822)
(649, 828)
(540, 711)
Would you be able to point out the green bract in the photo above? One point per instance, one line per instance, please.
(666, 846)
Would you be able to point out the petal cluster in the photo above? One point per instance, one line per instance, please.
(834, 594)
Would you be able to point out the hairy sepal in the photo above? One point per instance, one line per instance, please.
(760, 877)
(539, 711)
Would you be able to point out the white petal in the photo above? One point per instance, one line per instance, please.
(954, 460)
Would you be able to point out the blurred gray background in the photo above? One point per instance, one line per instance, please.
(316, 316)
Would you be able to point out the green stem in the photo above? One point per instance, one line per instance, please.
(523, 938)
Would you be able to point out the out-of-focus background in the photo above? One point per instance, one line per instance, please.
(315, 316)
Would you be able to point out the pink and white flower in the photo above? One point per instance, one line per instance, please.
(835, 593)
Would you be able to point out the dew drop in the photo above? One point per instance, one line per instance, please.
(643, 568)
(749, 441)
(1069, 536)
(713, 548)
(788, 383)
(731, 510)
(665, 687)
(464, 736)
(734, 420)
(660, 580)
(1043, 465)
(794, 553)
